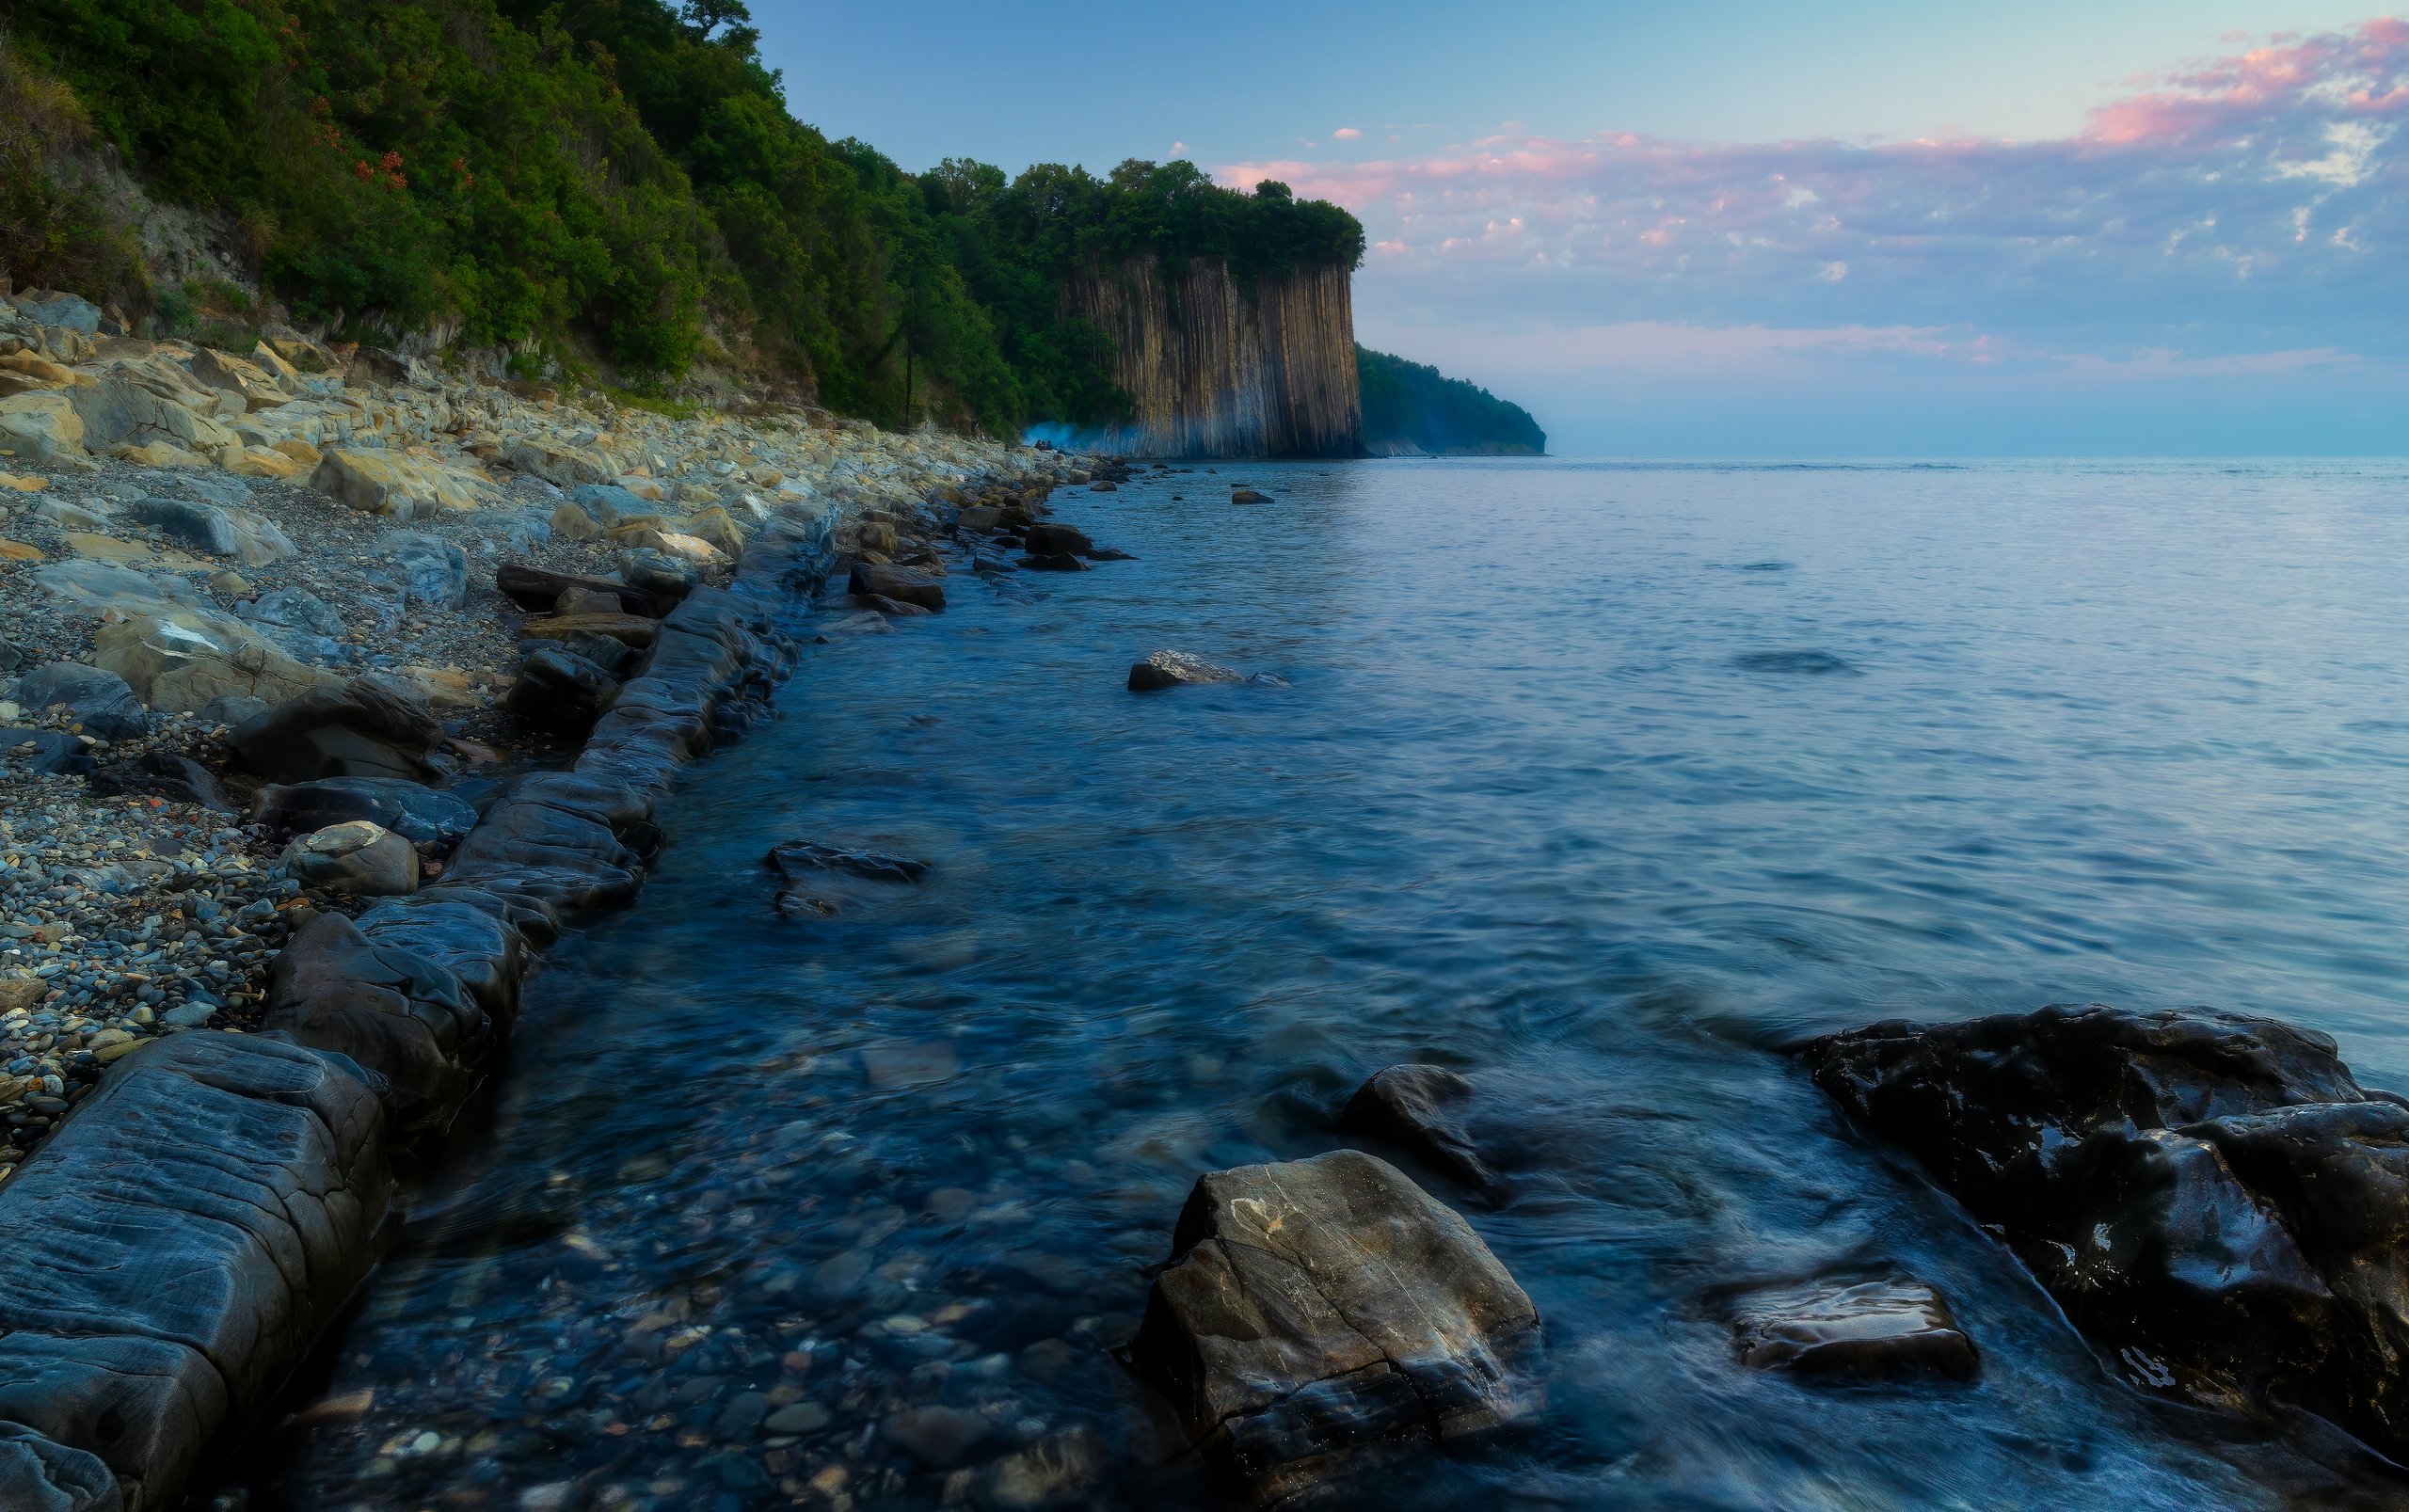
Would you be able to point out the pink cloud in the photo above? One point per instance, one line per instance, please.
(2269, 186)
(1346, 133)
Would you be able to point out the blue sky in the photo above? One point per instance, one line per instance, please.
(1728, 229)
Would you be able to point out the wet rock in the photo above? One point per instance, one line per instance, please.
(37, 1475)
(981, 519)
(173, 1251)
(937, 1436)
(428, 819)
(1058, 540)
(99, 701)
(1176, 669)
(2212, 1194)
(1058, 562)
(372, 725)
(889, 607)
(1060, 1470)
(899, 583)
(1875, 1328)
(798, 860)
(360, 858)
(1248, 496)
(1420, 1109)
(1106, 553)
(800, 1418)
(1319, 1306)
(163, 774)
(558, 689)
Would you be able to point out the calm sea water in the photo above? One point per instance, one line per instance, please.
(1603, 783)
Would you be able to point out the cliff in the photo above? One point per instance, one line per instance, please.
(1412, 409)
(1220, 366)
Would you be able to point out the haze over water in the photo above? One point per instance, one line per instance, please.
(1603, 783)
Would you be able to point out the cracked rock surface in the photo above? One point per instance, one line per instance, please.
(1317, 1306)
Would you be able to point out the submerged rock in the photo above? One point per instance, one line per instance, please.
(1803, 663)
(1176, 669)
(1867, 1329)
(798, 860)
(1248, 496)
(2215, 1195)
(871, 580)
(1050, 540)
(1418, 1108)
(1317, 1306)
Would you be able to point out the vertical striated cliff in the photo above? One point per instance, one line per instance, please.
(1223, 367)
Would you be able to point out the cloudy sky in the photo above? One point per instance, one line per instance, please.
(1757, 230)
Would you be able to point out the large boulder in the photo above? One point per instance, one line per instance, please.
(433, 571)
(1315, 1307)
(170, 1256)
(253, 385)
(182, 659)
(903, 584)
(122, 410)
(372, 725)
(241, 533)
(99, 701)
(559, 690)
(41, 428)
(362, 859)
(558, 462)
(428, 818)
(2212, 1194)
(397, 485)
(1058, 540)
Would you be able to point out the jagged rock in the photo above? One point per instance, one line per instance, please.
(2212, 1194)
(119, 410)
(390, 483)
(162, 774)
(358, 857)
(561, 690)
(1418, 1108)
(203, 527)
(54, 753)
(1058, 540)
(554, 462)
(1889, 1327)
(434, 571)
(902, 585)
(182, 659)
(169, 1256)
(1178, 669)
(1059, 562)
(37, 1475)
(796, 860)
(49, 307)
(100, 701)
(372, 725)
(1321, 1306)
(247, 381)
(41, 428)
(393, 368)
(428, 818)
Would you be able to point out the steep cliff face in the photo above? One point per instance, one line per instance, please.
(1219, 367)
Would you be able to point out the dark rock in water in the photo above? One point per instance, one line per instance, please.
(1056, 562)
(795, 903)
(889, 607)
(985, 565)
(2212, 1194)
(899, 583)
(1864, 1329)
(53, 752)
(429, 820)
(160, 775)
(100, 701)
(1764, 566)
(980, 519)
(41, 1476)
(559, 691)
(1321, 1306)
(1808, 663)
(1104, 486)
(1175, 669)
(1248, 496)
(1417, 1109)
(1058, 540)
(372, 725)
(796, 860)
(1107, 553)
(171, 1254)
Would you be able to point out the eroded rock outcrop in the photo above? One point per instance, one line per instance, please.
(2212, 1195)
(1319, 1307)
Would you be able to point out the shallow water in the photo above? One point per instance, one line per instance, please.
(1602, 783)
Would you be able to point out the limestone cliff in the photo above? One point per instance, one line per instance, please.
(1220, 366)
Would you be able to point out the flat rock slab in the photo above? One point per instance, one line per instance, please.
(2212, 1195)
(1863, 1329)
(169, 1256)
(1318, 1307)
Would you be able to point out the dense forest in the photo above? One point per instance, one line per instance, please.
(1409, 407)
(617, 180)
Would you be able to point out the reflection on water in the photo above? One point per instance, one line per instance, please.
(838, 1211)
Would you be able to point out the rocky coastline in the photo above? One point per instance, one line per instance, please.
(335, 686)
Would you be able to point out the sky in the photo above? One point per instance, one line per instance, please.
(1724, 229)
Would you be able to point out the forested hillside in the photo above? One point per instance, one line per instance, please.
(615, 181)
(1411, 408)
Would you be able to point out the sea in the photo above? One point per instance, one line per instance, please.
(1603, 783)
